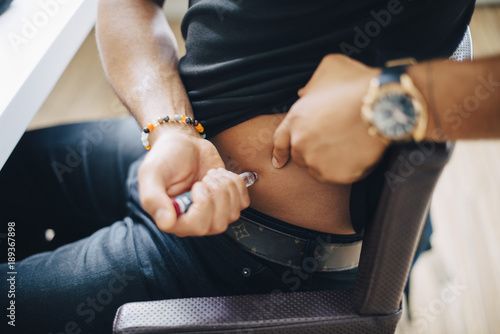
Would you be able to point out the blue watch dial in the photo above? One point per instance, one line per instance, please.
(394, 115)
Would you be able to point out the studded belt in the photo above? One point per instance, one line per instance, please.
(288, 250)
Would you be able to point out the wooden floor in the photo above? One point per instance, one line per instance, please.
(456, 286)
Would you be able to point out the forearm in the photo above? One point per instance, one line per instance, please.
(139, 55)
(463, 98)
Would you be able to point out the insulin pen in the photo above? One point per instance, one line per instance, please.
(183, 202)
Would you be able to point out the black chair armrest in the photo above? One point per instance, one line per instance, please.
(302, 312)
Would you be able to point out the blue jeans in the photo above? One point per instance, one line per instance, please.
(73, 179)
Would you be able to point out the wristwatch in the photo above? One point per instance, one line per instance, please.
(393, 108)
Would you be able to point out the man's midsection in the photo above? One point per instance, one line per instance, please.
(290, 193)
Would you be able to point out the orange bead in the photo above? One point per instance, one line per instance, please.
(183, 118)
(148, 147)
(150, 126)
(199, 127)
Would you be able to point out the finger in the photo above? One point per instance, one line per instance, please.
(297, 156)
(238, 192)
(244, 198)
(216, 204)
(367, 171)
(198, 219)
(316, 174)
(209, 213)
(345, 175)
(281, 150)
(225, 196)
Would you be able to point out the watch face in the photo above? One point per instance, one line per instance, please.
(394, 115)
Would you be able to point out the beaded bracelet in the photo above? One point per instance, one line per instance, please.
(172, 119)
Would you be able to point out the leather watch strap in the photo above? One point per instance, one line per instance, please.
(392, 74)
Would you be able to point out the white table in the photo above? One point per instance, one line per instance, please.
(38, 39)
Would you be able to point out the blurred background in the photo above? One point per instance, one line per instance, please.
(455, 287)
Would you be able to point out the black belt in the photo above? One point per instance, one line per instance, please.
(289, 250)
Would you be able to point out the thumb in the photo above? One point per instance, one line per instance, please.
(165, 217)
(159, 205)
(281, 150)
(155, 200)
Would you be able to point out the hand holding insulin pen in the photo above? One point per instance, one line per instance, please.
(183, 202)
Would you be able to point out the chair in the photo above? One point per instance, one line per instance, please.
(372, 306)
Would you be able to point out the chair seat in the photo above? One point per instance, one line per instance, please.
(302, 312)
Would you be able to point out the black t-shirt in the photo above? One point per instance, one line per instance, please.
(249, 57)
